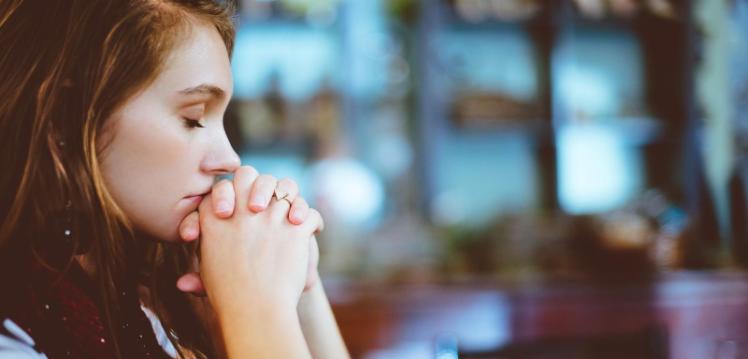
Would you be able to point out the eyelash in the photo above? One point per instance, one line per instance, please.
(190, 123)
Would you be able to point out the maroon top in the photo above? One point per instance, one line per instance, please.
(62, 313)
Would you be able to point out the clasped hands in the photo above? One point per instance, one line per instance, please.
(251, 239)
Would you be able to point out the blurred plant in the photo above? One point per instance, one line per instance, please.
(509, 247)
(312, 9)
(517, 10)
(469, 251)
(404, 10)
(504, 10)
(650, 234)
(322, 12)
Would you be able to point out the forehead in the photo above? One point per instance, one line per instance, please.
(198, 65)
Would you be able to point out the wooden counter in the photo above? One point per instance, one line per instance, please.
(679, 315)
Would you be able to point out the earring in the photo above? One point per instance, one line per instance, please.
(67, 229)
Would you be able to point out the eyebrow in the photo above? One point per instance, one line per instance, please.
(204, 89)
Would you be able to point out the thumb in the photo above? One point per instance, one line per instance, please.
(191, 283)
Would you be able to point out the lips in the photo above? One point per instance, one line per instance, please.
(196, 199)
(199, 194)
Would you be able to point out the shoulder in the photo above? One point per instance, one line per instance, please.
(158, 329)
(15, 343)
(17, 317)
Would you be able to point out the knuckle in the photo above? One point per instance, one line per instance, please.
(288, 183)
(204, 209)
(222, 186)
(301, 202)
(223, 183)
(266, 179)
(245, 173)
(266, 182)
(315, 216)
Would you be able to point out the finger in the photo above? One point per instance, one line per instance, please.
(244, 178)
(314, 251)
(314, 222)
(286, 190)
(262, 190)
(191, 283)
(299, 211)
(223, 198)
(189, 229)
(312, 281)
(312, 273)
(206, 207)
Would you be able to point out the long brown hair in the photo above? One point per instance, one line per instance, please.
(65, 67)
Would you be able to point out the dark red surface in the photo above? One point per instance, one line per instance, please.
(692, 312)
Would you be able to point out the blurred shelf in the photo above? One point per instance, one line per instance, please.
(635, 131)
(609, 20)
(493, 124)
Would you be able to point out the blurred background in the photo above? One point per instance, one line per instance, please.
(512, 178)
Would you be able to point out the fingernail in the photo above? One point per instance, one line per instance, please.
(296, 217)
(259, 201)
(223, 207)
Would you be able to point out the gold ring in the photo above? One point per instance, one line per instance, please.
(281, 196)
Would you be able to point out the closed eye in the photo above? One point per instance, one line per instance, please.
(190, 123)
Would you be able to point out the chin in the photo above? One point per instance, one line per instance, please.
(171, 235)
(160, 234)
(165, 230)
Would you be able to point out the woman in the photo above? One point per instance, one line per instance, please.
(111, 124)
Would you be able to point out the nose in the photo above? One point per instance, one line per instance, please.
(222, 159)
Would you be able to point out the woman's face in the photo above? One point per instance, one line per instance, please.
(168, 142)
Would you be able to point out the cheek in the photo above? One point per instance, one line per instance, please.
(143, 167)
